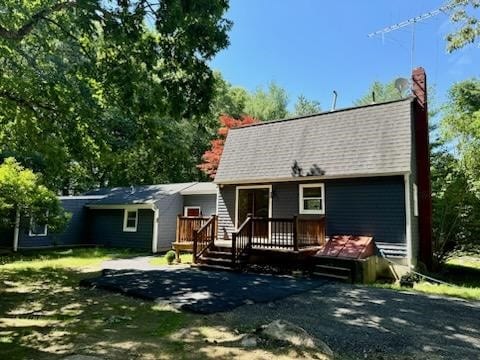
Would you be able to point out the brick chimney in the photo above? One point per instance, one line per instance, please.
(420, 113)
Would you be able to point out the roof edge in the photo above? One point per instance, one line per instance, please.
(409, 99)
(310, 178)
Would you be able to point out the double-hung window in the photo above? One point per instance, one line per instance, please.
(312, 199)
(37, 228)
(130, 220)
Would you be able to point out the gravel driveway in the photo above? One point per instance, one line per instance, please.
(364, 322)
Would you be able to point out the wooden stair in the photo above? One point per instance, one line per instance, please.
(333, 268)
(216, 258)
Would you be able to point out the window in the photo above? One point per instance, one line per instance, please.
(192, 211)
(130, 220)
(415, 200)
(37, 229)
(312, 199)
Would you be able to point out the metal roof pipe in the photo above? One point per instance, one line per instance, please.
(334, 101)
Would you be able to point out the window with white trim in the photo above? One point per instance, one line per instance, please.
(130, 220)
(192, 211)
(312, 199)
(415, 200)
(36, 228)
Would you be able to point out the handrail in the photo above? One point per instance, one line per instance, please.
(204, 238)
(241, 242)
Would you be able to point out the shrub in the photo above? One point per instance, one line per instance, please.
(409, 279)
(170, 256)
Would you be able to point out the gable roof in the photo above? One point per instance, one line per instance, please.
(362, 141)
(147, 194)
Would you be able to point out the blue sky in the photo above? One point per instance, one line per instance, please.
(313, 47)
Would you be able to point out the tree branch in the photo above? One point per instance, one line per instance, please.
(25, 29)
(24, 102)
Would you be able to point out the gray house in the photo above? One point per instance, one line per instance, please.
(362, 170)
(142, 217)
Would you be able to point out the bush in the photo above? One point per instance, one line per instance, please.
(409, 279)
(170, 256)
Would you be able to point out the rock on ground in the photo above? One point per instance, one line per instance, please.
(295, 335)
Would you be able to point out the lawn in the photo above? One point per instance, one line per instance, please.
(44, 314)
(461, 272)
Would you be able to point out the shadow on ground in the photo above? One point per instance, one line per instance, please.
(203, 292)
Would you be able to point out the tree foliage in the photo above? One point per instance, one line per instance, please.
(211, 157)
(21, 191)
(304, 106)
(464, 15)
(93, 92)
(382, 91)
(461, 126)
(270, 104)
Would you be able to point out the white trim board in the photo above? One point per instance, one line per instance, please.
(408, 219)
(120, 207)
(308, 178)
(246, 187)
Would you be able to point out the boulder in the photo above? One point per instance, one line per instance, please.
(285, 331)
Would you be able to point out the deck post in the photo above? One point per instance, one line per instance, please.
(194, 249)
(214, 225)
(295, 233)
(234, 247)
(250, 232)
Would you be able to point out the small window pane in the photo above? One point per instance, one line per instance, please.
(312, 204)
(131, 223)
(312, 192)
(37, 229)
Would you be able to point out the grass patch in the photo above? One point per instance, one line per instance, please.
(462, 273)
(161, 260)
(70, 258)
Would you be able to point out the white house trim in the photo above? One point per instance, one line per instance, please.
(269, 187)
(301, 210)
(156, 225)
(308, 178)
(81, 197)
(125, 218)
(120, 207)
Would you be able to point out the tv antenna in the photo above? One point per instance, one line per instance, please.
(413, 21)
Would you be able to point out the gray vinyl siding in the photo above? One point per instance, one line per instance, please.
(226, 211)
(107, 229)
(362, 206)
(169, 208)
(207, 203)
(74, 234)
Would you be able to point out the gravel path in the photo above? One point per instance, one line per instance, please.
(363, 322)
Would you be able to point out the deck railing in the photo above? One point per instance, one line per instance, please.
(204, 237)
(287, 233)
(242, 240)
(186, 226)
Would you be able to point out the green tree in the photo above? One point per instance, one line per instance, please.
(383, 92)
(461, 126)
(97, 92)
(464, 15)
(270, 104)
(304, 106)
(22, 196)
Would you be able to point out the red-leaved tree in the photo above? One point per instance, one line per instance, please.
(211, 158)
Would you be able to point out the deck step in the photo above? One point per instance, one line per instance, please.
(219, 254)
(204, 266)
(208, 259)
(330, 267)
(329, 275)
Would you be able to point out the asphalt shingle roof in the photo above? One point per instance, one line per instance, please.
(147, 194)
(374, 139)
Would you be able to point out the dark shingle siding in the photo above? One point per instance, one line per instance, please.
(207, 203)
(107, 229)
(363, 206)
(73, 235)
(360, 141)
